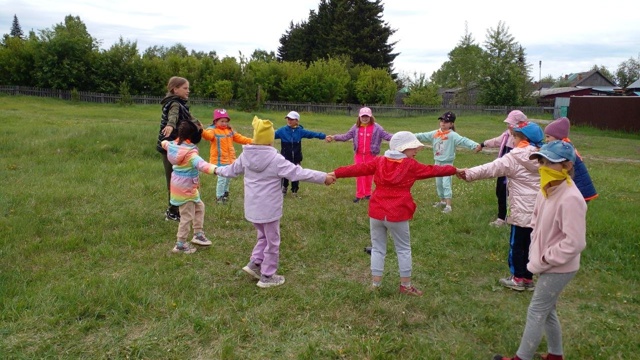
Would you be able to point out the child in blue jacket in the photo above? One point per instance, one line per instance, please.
(291, 137)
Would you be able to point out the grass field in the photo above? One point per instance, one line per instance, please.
(86, 270)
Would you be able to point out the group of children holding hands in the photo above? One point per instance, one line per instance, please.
(547, 209)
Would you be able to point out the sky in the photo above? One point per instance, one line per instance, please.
(559, 37)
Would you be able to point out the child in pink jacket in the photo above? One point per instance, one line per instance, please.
(558, 238)
(523, 186)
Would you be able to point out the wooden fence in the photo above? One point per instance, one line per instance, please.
(280, 106)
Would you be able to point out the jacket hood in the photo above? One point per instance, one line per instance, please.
(178, 154)
(258, 157)
(393, 170)
(521, 155)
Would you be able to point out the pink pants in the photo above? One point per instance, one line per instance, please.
(267, 249)
(363, 183)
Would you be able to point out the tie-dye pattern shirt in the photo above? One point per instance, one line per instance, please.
(187, 164)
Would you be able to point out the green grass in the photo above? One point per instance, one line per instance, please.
(86, 270)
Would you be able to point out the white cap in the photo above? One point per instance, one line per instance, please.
(293, 115)
(403, 140)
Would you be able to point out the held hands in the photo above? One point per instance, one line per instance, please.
(331, 179)
(328, 139)
(478, 148)
(461, 174)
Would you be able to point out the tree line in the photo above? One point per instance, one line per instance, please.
(340, 54)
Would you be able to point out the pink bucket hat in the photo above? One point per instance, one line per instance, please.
(365, 111)
(219, 114)
(515, 117)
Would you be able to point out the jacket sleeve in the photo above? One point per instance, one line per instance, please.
(362, 169)
(279, 132)
(423, 171)
(312, 134)
(496, 168)
(346, 136)
(209, 133)
(238, 138)
(288, 170)
(465, 142)
(385, 135)
(495, 142)
(230, 171)
(425, 136)
(202, 166)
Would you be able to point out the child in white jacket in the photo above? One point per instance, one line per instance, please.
(558, 238)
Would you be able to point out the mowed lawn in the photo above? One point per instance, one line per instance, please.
(86, 270)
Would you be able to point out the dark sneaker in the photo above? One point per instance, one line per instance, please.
(368, 197)
(513, 283)
(270, 281)
(253, 270)
(220, 200)
(410, 290)
(368, 250)
(169, 216)
(356, 200)
(500, 357)
(183, 248)
(225, 197)
(200, 239)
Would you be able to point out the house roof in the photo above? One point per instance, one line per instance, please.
(555, 91)
(578, 78)
(634, 85)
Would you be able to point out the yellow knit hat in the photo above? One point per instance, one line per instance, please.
(263, 133)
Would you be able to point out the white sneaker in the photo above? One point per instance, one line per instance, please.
(447, 209)
(270, 281)
(498, 222)
(439, 204)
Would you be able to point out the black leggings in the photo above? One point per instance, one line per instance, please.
(168, 169)
(501, 194)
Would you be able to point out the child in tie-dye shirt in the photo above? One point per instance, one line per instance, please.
(185, 181)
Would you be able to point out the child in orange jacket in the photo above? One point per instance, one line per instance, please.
(222, 153)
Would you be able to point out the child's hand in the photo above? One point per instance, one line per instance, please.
(331, 179)
(478, 148)
(461, 174)
(167, 130)
(328, 139)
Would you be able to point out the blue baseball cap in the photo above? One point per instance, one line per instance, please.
(532, 131)
(556, 151)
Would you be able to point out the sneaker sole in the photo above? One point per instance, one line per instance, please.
(201, 243)
(251, 272)
(512, 287)
(262, 285)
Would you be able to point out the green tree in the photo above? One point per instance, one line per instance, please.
(65, 57)
(352, 28)
(422, 92)
(224, 91)
(16, 30)
(17, 58)
(375, 86)
(628, 72)
(505, 79)
(120, 63)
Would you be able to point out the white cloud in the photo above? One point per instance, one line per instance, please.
(567, 38)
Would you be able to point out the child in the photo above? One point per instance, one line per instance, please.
(559, 130)
(291, 137)
(174, 111)
(444, 141)
(367, 136)
(183, 154)
(523, 186)
(505, 144)
(392, 206)
(222, 153)
(558, 238)
(263, 168)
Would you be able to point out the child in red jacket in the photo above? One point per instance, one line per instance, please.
(391, 205)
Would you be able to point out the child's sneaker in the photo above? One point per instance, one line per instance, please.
(183, 248)
(220, 200)
(513, 283)
(498, 222)
(548, 357)
(410, 290)
(529, 285)
(225, 196)
(368, 250)
(253, 270)
(447, 209)
(500, 357)
(200, 239)
(270, 281)
(169, 216)
(439, 204)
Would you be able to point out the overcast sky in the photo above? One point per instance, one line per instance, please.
(567, 36)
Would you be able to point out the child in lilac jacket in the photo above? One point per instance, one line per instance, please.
(264, 168)
(367, 137)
